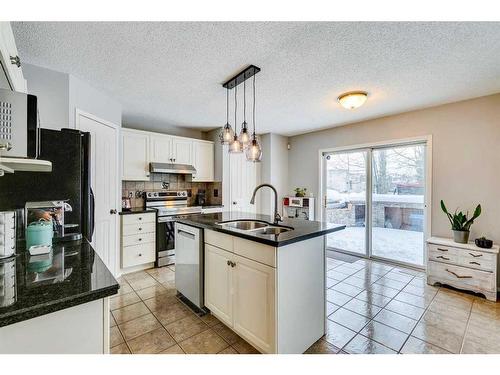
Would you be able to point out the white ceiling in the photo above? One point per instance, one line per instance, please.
(170, 73)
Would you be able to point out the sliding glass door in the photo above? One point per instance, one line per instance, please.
(379, 194)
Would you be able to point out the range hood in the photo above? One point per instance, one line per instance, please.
(171, 168)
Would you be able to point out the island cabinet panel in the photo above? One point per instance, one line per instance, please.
(218, 283)
(256, 251)
(253, 302)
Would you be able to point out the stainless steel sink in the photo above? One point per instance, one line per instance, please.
(273, 230)
(244, 224)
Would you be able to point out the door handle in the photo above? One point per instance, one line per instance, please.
(235, 203)
(113, 211)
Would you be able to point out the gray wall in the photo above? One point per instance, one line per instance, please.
(466, 156)
(165, 129)
(52, 91)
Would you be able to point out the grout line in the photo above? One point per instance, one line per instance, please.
(467, 326)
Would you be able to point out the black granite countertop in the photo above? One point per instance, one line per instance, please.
(75, 275)
(212, 206)
(136, 210)
(302, 229)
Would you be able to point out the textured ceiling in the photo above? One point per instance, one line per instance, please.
(170, 73)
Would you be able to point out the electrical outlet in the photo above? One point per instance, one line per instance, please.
(216, 193)
(165, 185)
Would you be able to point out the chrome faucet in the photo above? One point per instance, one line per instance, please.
(277, 216)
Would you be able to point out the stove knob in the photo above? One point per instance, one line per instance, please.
(156, 195)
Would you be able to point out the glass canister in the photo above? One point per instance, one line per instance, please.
(39, 233)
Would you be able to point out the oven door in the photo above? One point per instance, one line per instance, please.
(165, 242)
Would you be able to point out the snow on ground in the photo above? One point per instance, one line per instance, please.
(334, 195)
(396, 244)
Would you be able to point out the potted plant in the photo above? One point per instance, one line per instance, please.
(300, 192)
(460, 223)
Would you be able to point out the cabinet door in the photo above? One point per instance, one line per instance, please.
(182, 151)
(254, 303)
(203, 161)
(11, 75)
(161, 148)
(218, 283)
(135, 151)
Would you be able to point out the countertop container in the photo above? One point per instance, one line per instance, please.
(7, 234)
(39, 233)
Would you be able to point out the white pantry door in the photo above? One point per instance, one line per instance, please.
(243, 177)
(105, 184)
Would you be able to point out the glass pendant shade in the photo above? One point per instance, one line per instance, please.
(244, 137)
(227, 135)
(254, 151)
(235, 147)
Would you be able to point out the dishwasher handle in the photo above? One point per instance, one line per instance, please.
(186, 234)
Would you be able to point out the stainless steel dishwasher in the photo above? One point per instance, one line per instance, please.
(189, 265)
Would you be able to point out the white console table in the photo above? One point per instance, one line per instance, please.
(463, 266)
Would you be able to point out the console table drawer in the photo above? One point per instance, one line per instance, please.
(444, 250)
(478, 256)
(478, 263)
(460, 275)
(444, 257)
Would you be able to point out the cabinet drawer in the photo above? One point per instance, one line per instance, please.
(478, 263)
(478, 256)
(256, 251)
(444, 257)
(139, 218)
(457, 276)
(138, 239)
(139, 228)
(440, 249)
(139, 254)
(220, 240)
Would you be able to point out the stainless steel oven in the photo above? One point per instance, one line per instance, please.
(170, 206)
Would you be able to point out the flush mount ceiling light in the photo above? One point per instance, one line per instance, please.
(353, 99)
(250, 143)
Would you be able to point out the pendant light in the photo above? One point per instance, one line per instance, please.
(235, 147)
(254, 150)
(227, 135)
(244, 137)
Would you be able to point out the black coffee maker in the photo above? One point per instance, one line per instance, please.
(201, 199)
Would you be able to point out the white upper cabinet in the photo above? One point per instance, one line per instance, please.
(135, 155)
(161, 148)
(203, 161)
(11, 74)
(182, 150)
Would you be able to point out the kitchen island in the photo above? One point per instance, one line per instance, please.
(265, 281)
(56, 303)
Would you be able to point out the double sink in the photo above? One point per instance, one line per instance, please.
(255, 226)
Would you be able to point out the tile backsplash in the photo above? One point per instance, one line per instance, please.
(158, 181)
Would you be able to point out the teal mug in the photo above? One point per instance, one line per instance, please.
(39, 233)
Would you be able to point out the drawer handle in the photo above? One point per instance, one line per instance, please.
(140, 239)
(476, 255)
(442, 257)
(475, 263)
(140, 254)
(140, 218)
(440, 249)
(228, 262)
(458, 276)
(140, 228)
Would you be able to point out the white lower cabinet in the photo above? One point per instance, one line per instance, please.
(284, 314)
(138, 239)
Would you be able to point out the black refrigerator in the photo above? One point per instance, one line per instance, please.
(69, 152)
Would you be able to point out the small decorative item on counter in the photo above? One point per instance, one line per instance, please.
(39, 232)
(300, 192)
(484, 243)
(460, 223)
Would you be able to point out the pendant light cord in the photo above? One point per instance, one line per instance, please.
(254, 106)
(227, 106)
(235, 110)
(245, 103)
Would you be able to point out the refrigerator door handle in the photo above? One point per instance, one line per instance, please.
(92, 211)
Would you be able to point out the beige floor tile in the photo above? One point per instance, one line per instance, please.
(358, 282)
(243, 347)
(394, 320)
(151, 342)
(123, 300)
(383, 290)
(115, 336)
(210, 320)
(417, 346)
(162, 275)
(394, 284)
(112, 321)
(443, 308)
(143, 283)
(482, 345)
(337, 276)
(385, 335)
(363, 345)
(331, 308)
(349, 319)
(426, 291)
(405, 309)
(186, 327)
(440, 332)
(124, 288)
(176, 349)
(338, 335)
(412, 299)
(161, 301)
(206, 342)
(228, 350)
(139, 326)
(399, 276)
(130, 312)
(453, 298)
(226, 333)
(322, 347)
(487, 308)
(362, 307)
(120, 349)
(171, 313)
(153, 291)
